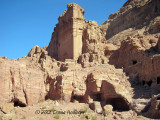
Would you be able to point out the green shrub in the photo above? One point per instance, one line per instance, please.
(74, 100)
(57, 116)
(44, 107)
(53, 109)
(94, 118)
(86, 108)
(23, 117)
(41, 119)
(83, 117)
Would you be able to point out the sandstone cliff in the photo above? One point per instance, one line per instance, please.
(114, 66)
(134, 17)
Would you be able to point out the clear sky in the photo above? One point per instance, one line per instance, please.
(25, 23)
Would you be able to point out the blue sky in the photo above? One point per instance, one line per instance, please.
(25, 23)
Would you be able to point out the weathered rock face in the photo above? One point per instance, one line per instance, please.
(133, 50)
(75, 38)
(66, 42)
(86, 85)
(94, 46)
(83, 71)
(109, 88)
(17, 80)
(140, 59)
(140, 15)
(37, 53)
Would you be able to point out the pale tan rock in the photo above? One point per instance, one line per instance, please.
(97, 106)
(7, 108)
(108, 108)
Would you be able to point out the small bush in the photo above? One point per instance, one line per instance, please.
(53, 109)
(83, 117)
(85, 109)
(74, 100)
(57, 116)
(44, 107)
(94, 118)
(48, 100)
(23, 117)
(41, 119)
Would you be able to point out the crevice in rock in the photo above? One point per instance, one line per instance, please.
(158, 80)
(25, 95)
(143, 82)
(12, 79)
(149, 83)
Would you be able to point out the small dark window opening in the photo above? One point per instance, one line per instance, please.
(158, 98)
(159, 107)
(143, 82)
(18, 103)
(134, 62)
(156, 9)
(158, 80)
(149, 83)
(150, 42)
(78, 61)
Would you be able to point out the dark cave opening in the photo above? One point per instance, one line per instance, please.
(143, 82)
(149, 83)
(158, 80)
(119, 104)
(134, 62)
(46, 97)
(80, 99)
(18, 103)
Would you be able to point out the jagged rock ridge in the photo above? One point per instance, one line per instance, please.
(141, 16)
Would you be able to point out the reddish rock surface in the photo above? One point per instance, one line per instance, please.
(114, 67)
